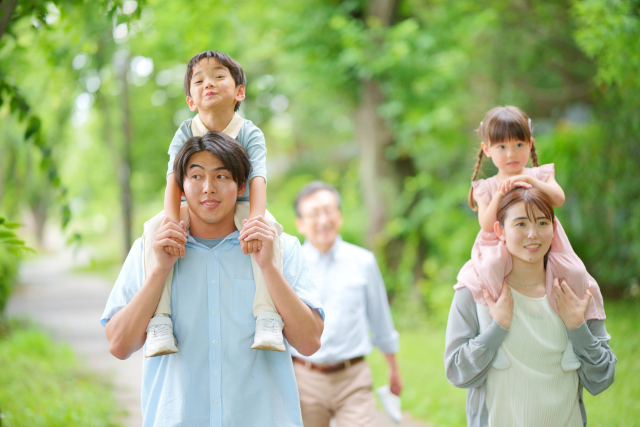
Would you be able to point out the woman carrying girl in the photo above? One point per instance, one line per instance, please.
(532, 329)
(506, 134)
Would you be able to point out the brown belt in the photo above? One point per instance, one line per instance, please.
(328, 368)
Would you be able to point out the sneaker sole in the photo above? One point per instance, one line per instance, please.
(266, 345)
(162, 351)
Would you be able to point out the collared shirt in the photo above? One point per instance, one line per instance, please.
(216, 379)
(244, 131)
(355, 301)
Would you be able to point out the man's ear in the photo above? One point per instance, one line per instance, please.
(299, 224)
(485, 148)
(240, 93)
(499, 230)
(191, 104)
(241, 189)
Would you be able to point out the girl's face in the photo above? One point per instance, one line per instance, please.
(510, 157)
(526, 238)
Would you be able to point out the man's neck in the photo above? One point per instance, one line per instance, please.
(526, 273)
(323, 248)
(203, 230)
(216, 120)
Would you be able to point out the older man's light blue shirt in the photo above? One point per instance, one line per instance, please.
(216, 379)
(355, 301)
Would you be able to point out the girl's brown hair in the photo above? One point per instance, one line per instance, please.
(506, 123)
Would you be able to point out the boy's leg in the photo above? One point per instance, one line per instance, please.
(268, 322)
(160, 339)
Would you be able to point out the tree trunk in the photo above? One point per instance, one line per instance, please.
(379, 180)
(6, 10)
(124, 169)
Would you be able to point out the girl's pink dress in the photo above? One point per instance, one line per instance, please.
(491, 262)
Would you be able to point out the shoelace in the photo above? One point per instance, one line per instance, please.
(269, 326)
(159, 331)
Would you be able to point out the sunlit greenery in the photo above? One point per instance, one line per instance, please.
(43, 385)
(92, 95)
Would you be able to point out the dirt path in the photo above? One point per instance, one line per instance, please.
(69, 306)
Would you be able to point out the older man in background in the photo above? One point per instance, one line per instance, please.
(336, 381)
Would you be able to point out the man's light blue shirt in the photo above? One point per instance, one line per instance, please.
(355, 301)
(216, 379)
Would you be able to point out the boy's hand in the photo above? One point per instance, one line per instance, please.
(179, 252)
(250, 246)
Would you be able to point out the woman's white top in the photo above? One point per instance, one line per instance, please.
(534, 391)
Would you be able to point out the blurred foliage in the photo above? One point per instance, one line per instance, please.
(570, 64)
(43, 385)
(10, 249)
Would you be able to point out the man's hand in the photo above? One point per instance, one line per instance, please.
(257, 228)
(395, 382)
(170, 235)
(501, 310)
(571, 309)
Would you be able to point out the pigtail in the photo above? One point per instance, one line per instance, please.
(533, 155)
(472, 203)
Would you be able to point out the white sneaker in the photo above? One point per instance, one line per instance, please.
(160, 339)
(390, 403)
(268, 334)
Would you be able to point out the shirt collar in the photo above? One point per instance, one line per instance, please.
(229, 242)
(233, 128)
(331, 253)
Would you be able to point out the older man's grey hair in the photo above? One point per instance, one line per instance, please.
(314, 187)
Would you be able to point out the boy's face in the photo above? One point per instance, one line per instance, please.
(210, 191)
(213, 88)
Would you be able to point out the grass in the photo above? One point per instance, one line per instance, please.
(43, 385)
(427, 394)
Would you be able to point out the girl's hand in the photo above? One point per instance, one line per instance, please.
(571, 309)
(515, 181)
(501, 310)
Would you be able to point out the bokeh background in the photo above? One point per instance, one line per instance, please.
(380, 98)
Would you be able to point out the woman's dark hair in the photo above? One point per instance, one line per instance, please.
(232, 155)
(234, 68)
(533, 198)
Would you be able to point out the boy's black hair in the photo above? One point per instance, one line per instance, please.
(234, 68)
(231, 153)
(312, 188)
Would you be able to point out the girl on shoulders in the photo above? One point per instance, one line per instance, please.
(507, 139)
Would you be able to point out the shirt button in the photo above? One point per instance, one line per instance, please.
(214, 312)
(215, 401)
(213, 282)
(214, 341)
(215, 372)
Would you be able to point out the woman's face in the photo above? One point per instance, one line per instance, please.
(526, 239)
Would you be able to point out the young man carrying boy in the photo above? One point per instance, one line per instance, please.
(214, 86)
(214, 380)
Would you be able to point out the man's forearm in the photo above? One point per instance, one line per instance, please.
(126, 330)
(303, 326)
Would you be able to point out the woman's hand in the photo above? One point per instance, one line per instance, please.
(501, 310)
(571, 309)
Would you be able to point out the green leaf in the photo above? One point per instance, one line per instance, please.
(32, 127)
(16, 242)
(66, 215)
(5, 234)
(12, 224)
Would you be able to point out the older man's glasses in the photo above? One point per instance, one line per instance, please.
(316, 213)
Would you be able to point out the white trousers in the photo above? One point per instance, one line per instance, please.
(262, 301)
